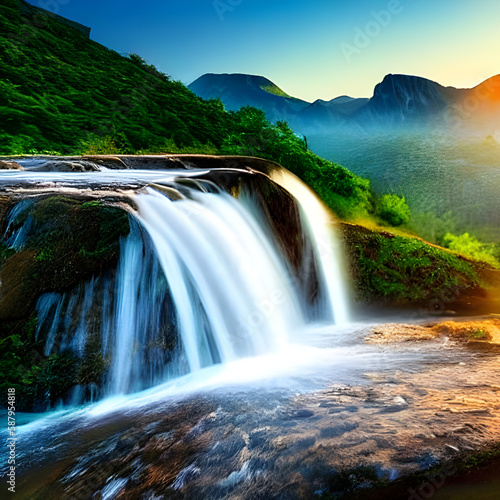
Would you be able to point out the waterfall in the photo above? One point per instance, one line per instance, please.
(201, 279)
(327, 246)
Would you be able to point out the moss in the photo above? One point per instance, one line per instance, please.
(5, 253)
(69, 241)
(407, 271)
(40, 381)
(447, 473)
(349, 480)
(17, 292)
(477, 334)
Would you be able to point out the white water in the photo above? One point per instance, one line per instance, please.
(327, 246)
(213, 252)
(204, 269)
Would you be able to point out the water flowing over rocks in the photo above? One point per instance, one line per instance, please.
(183, 361)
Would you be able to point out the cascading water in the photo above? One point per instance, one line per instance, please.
(201, 279)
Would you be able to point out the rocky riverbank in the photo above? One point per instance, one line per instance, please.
(398, 430)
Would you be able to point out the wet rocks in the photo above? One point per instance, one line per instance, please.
(485, 330)
(10, 165)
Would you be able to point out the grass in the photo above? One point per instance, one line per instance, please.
(405, 270)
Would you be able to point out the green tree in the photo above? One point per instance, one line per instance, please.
(393, 210)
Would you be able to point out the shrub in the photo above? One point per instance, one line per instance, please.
(393, 210)
(471, 247)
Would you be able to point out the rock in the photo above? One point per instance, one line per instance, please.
(338, 430)
(398, 400)
(75, 166)
(298, 414)
(10, 165)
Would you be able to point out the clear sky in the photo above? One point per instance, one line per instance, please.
(310, 48)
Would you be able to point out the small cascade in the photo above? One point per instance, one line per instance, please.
(328, 249)
(201, 279)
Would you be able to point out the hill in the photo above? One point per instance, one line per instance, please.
(237, 90)
(59, 89)
(62, 92)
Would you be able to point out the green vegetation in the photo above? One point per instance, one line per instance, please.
(41, 380)
(477, 334)
(345, 193)
(37, 379)
(61, 92)
(471, 247)
(393, 210)
(69, 240)
(274, 90)
(433, 228)
(402, 270)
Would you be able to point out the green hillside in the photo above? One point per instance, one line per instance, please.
(60, 89)
(61, 92)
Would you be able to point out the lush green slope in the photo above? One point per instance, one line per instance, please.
(61, 92)
(57, 87)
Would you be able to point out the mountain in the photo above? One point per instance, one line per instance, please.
(403, 98)
(237, 90)
(401, 101)
(63, 93)
(480, 106)
(326, 114)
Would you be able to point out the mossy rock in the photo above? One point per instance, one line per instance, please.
(17, 292)
(404, 271)
(69, 241)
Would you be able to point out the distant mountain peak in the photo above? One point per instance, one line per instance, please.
(238, 89)
(489, 89)
(241, 80)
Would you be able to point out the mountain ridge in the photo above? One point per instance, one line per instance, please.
(398, 100)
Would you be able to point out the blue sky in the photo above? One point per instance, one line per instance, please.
(311, 49)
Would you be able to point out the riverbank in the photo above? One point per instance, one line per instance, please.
(391, 414)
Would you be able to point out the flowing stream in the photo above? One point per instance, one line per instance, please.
(231, 355)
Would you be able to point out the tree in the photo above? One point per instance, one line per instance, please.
(393, 210)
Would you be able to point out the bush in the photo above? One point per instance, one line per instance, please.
(393, 210)
(471, 247)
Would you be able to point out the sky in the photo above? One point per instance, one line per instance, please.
(316, 49)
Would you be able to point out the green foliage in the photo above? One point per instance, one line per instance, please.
(68, 240)
(274, 90)
(95, 145)
(471, 247)
(393, 210)
(345, 193)
(406, 270)
(5, 253)
(433, 228)
(477, 334)
(60, 91)
(38, 380)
